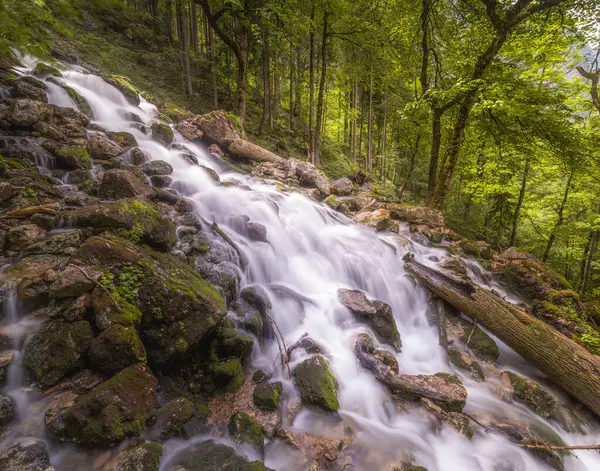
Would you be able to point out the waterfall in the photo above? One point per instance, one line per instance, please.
(314, 251)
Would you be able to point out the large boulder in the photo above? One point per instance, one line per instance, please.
(309, 176)
(216, 127)
(29, 88)
(25, 113)
(72, 282)
(172, 418)
(162, 133)
(189, 131)
(157, 167)
(144, 457)
(376, 314)
(73, 157)
(19, 237)
(267, 396)
(117, 348)
(117, 184)
(7, 410)
(416, 214)
(140, 221)
(212, 456)
(244, 429)
(56, 349)
(124, 86)
(114, 410)
(316, 383)
(102, 148)
(531, 394)
(58, 243)
(125, 139)
(379, 219)
(175, 308)
(29, 455)
(342, 187)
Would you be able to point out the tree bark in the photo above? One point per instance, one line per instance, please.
(266, 66)
(185, 47)
(517, 212)
(559, 220)
(594, 77)
(291, 109)
(411, 167)
(311, 83)
(317, 144)
(370, 127)
(565, 362)
(353, 119)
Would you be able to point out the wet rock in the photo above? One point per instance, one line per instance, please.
(157, 167)
(29, 88)
(26, 113)
(454, 264)
(102, 148)
(140, 220)
(480, 343)
(73, 157)
(72, 282)
(79, 176)
(416, 214)
(46, 221)
(243, 429)
(212, 456)
(231, 343)
(376, 314)
(7, 410)
(56, 349)
(316, 383)
(124, 86)
(216, 150)
(20, 237)
(6, 358)
(116, 348)
(162, 133)
(379, 220)
(342, 187)
(466, 362)
(60, 243)
(189, 131)
(531, 394)
(267, 396)
(29, 455)
(112, 411)
(309, 176)
(138, 156)
(161, 181)
(79, 100)
(144, 457)
(45, 70)
(450, 392)
(117, 184)
(211, 173)
(124, 139)
(77, 309)
(172, 418)
(258, 297)
(216, 127)
(257, 231)
(456, 420)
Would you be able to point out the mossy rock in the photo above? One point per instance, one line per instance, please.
(56, 349)
(175, 113)
(80, 101)
(124, 139)
(71, 158)
(228, 375)
(212, 456)
(267, 396)
(532, 395)
(231, 343)
(112, 411)
(117, 348)
(144, 457)
(316, 383)
(466, 363)
(480, 343)
(172, 418)
(244, 429)
(42, 69)
(162, 133)
(332, 202)
(125, 87)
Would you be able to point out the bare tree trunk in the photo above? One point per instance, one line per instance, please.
(311, 83)
(565, 362)
(383, 138)
(266, 66)
(559, 220)
(185, 47)
(299, 88)
(353, 119)
(291, 112)
(588, 257)
(411, 166)
(517, 212)
(320, 112)
(370, 127)
(362, 114)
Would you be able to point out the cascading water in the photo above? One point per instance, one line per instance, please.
(314, 251)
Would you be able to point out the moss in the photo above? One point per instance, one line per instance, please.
(7, 164)
(182, 345)
(123, 84)
(317, 384)
(174, 112)
(75, 157)
(473, 367)
(231, 343)
(532, 395)
(162, 133)
(81, 102)
(134, 234)
(229, 375)
(267, 396)
(244, 429)
(45, 69)
(482, 345)
(332, 201)
(449, 378)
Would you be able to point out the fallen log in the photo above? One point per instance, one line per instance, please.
(23, 213)
(565, 362)
(246, 150)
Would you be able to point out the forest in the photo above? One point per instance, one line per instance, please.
(488, 109)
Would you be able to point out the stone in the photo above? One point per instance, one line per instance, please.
(316, 383)
(416, 214)
(162, 133)
(25, 113)
(342, 187)
(379, 220)
(157, 167)
(531, 394)
(117, 184)
(212, 456)
(466, 362)
(77, 309)
(480, 343)
(189, 131)
(6, 358)
(216, 150)
(267, 396)
(19, 237)
(102, 148)
(309, 176)
(161, 181)
(57, 349)
(28, 455)
(456, 420)
(72, 283)
(138, 156)
(450, 392)
(114, 410)
(376, 314)
(116, 348)
(32, 89)
(172, 418)
(231, 343)
(73, 157)
(124, 139)
(124, 86)
(144, 457)
(257, 231)
(7, 410)
(45, 70)
(244, 429)
(64, 242)
(216, 127)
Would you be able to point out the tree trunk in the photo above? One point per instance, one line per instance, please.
(185, 47)
(311, 83)
(517, 212)
(411, 167)
(299, 88)
(362, 121)
(242, 74)
(436, 142)
(266, 66)
(353, 119)
(383, 139)
(559, 220)
(565, 362)
(320, 112)
(370, 127)
(291, 110)
(588, 257)
(194, 29)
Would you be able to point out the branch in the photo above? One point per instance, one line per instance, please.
(564, 448)
(490, 10)
(213, 20)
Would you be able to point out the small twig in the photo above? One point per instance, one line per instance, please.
(563, 448)
(346, 465)
(98, 284)
(281, 345)
(487, 429)
(472, 332)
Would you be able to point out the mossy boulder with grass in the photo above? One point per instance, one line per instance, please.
(57, 349)
(316, 383)
(162, 133)
(45, 70)
(175, 113)
(144, 457)
(172, 418)
(117, 348)
(531, 394)
(125, 87)
(244, 429)
(79, 100)
(212, 456)
(231, 343)
(114, 410)
(73, 158)
(267, 396)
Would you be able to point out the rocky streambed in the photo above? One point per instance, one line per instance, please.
(162, 311)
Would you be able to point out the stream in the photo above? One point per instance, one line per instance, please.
(314, 251)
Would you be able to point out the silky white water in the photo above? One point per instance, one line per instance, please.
(314, 251)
